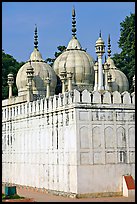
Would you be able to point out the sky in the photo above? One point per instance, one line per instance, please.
(54, 24)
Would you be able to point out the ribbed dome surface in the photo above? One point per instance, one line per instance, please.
(119, 79)
(41, 71)
(79, 62)
(111, 63)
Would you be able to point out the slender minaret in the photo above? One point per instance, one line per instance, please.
(73, 23)
(48, 80)
(106, 68)
(109, 81)
(69, 76)
(30, 72)
(63, 75)
(100, 50)
(10, 83)
(96, 75)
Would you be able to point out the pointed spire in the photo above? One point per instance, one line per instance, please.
(73, 22)
(35, 38)
(105, 58)
(100, 34)
(109, 46)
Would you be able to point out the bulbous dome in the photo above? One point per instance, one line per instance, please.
(76, 60)
(111, 63)
(119, 79)
(41, 71)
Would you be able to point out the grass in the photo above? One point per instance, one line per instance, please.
(11, 196)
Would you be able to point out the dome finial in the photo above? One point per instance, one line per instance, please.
(109, 46)
(73, 22)
(35, 38)
(100, 34)
(105, 58)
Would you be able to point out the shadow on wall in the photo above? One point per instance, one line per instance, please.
(38, 84)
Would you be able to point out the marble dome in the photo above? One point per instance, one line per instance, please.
(119, 79)
(41, 71)
(76, 60)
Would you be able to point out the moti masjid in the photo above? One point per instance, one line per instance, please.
(71, 129)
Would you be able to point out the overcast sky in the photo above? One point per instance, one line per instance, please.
(54, 22)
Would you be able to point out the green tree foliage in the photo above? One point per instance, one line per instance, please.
(60, 48)
(125, 61)
(9, 65)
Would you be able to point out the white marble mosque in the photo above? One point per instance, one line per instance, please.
(78, 142)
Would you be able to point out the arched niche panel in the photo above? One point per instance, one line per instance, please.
(109, 137)
(131, 137)
(121, 137)
(84, 138)
(96, 136)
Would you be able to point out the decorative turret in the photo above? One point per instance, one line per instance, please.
(48, 80)
(30, 72)
(69, 76)
(109, 81)
(63, 75)
(96, 75)
(10, 83)
(100, 49)
(106, 68)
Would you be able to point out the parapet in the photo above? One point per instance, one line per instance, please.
(106, 97)
(68, 100)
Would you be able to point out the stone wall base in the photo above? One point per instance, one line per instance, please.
(68, 194)
(99, 194)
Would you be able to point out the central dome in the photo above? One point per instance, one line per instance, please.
(76, 60)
